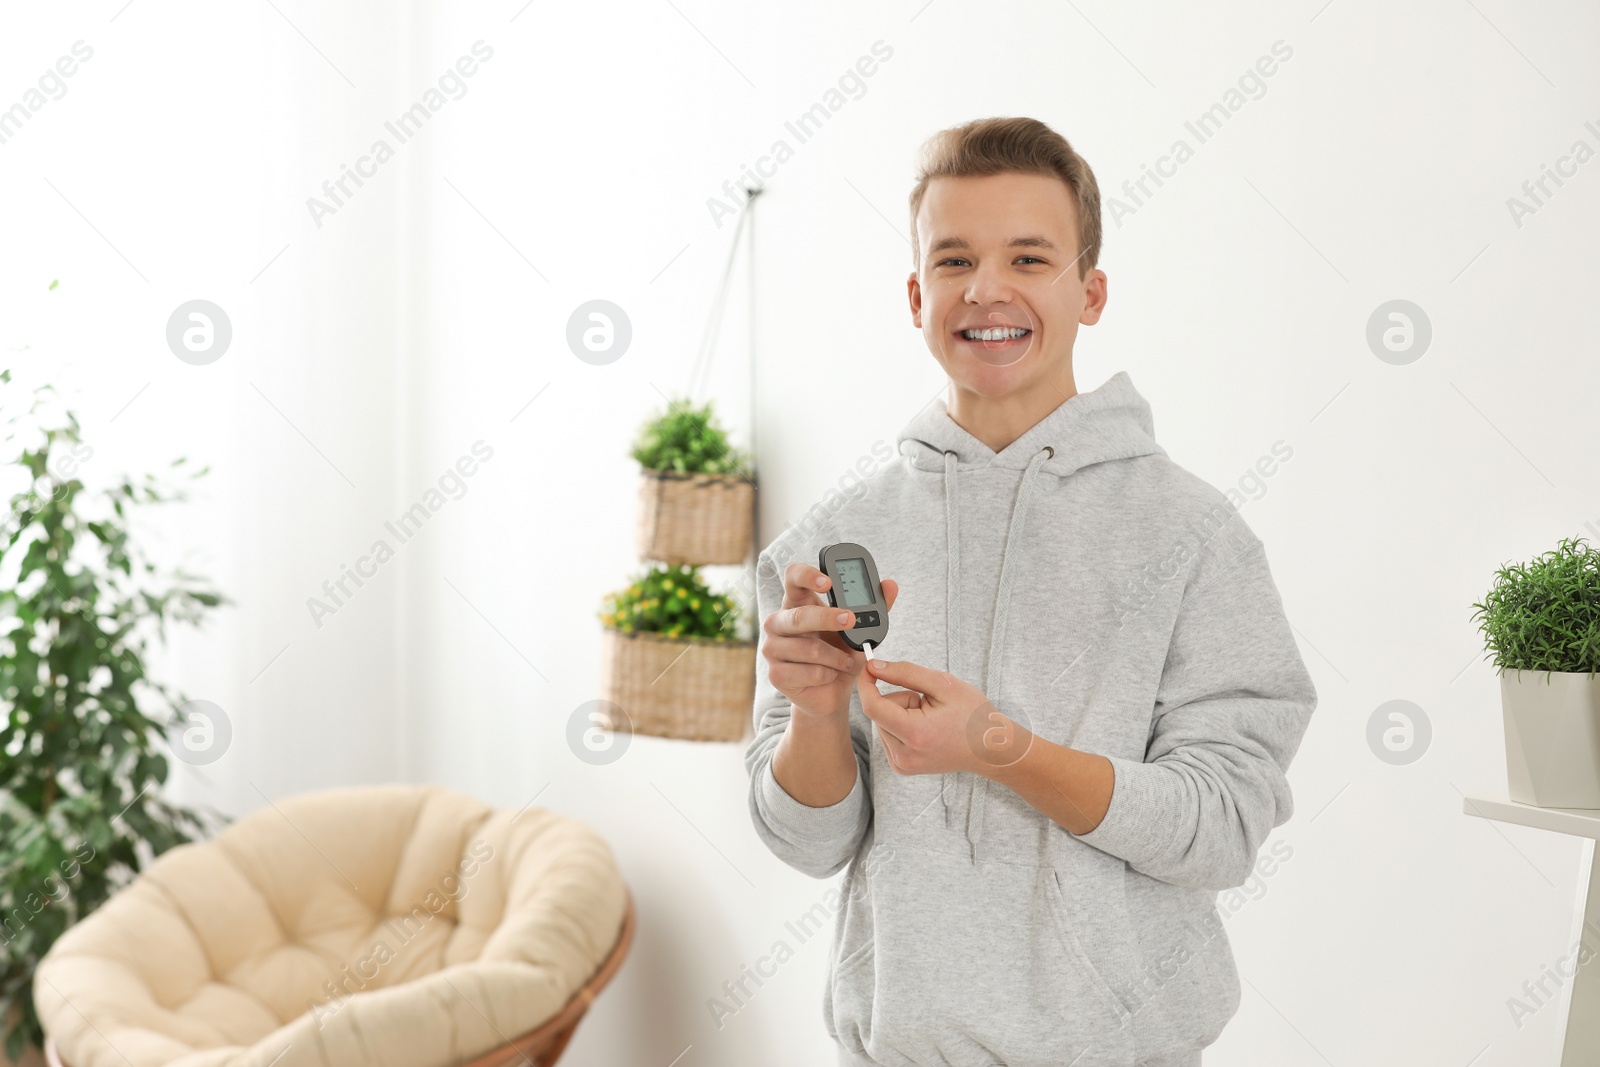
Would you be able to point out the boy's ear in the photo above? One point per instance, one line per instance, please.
(914, 295)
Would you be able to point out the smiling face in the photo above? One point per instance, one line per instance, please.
(997, 293)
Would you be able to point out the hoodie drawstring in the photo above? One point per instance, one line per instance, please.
(979, 787)
(952, 551)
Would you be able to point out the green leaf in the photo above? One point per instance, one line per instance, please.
(81, 750)
(688, 440)
(662, 599)
(1544, 615)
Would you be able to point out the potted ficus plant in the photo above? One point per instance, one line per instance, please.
(1541, 624)
(81, 756)
(672, 660)
(696, 496)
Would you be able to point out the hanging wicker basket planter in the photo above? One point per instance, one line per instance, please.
(697, 689)
(695, 518)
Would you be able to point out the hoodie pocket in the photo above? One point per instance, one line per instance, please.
(846, 1002)
(973, 964)
(1073, 945)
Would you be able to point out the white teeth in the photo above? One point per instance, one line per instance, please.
(1006, 333)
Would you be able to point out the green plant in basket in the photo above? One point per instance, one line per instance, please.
(671, 600)
(1544, 615)
(688, 440)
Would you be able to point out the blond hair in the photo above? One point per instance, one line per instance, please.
(1011, 145)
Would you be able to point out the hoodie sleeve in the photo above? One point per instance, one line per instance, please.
(1232, 706)
(815, 841)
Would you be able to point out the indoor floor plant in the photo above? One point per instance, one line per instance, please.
(1541, 624)
(81, 759)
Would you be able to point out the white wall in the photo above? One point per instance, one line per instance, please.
(427, 313)
(183, 151)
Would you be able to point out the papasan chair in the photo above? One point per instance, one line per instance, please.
(383, 926)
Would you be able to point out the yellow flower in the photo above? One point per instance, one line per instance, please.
(695, 603)
(683, 592)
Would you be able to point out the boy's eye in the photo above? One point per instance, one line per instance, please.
(961, 261)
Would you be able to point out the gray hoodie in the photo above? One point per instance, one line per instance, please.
(1111, 601)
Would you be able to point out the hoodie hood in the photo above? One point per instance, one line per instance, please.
(1109, 423)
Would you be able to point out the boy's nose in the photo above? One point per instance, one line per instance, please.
(988, 287)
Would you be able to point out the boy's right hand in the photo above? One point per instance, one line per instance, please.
(807, 660)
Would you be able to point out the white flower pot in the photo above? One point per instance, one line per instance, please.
(1552, 725)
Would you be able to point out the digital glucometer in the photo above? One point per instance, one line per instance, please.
(853, 585)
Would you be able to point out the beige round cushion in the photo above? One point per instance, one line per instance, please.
(386, 926)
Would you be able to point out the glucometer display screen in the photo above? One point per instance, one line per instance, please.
(854, 586)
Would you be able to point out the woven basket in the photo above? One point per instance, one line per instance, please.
(695, 518)
(698, 689)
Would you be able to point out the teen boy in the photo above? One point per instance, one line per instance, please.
(1095, 693)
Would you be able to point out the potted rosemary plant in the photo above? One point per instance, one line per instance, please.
(81, 760)
(671, 658)
(696, 497)
(1541, 624)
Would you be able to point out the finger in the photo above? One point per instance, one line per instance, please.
(893, 750)
(801, 584)
(910, 675)
(888, 715)
(783, 649)
(793, 677)
(909, 699)
(891, 592)
(812, 619)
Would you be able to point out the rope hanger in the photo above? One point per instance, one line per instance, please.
(699, 375)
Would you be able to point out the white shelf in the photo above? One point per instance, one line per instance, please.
(1580, 1003)
(1579, 822)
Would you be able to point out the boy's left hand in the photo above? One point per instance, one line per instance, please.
(938, 722)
